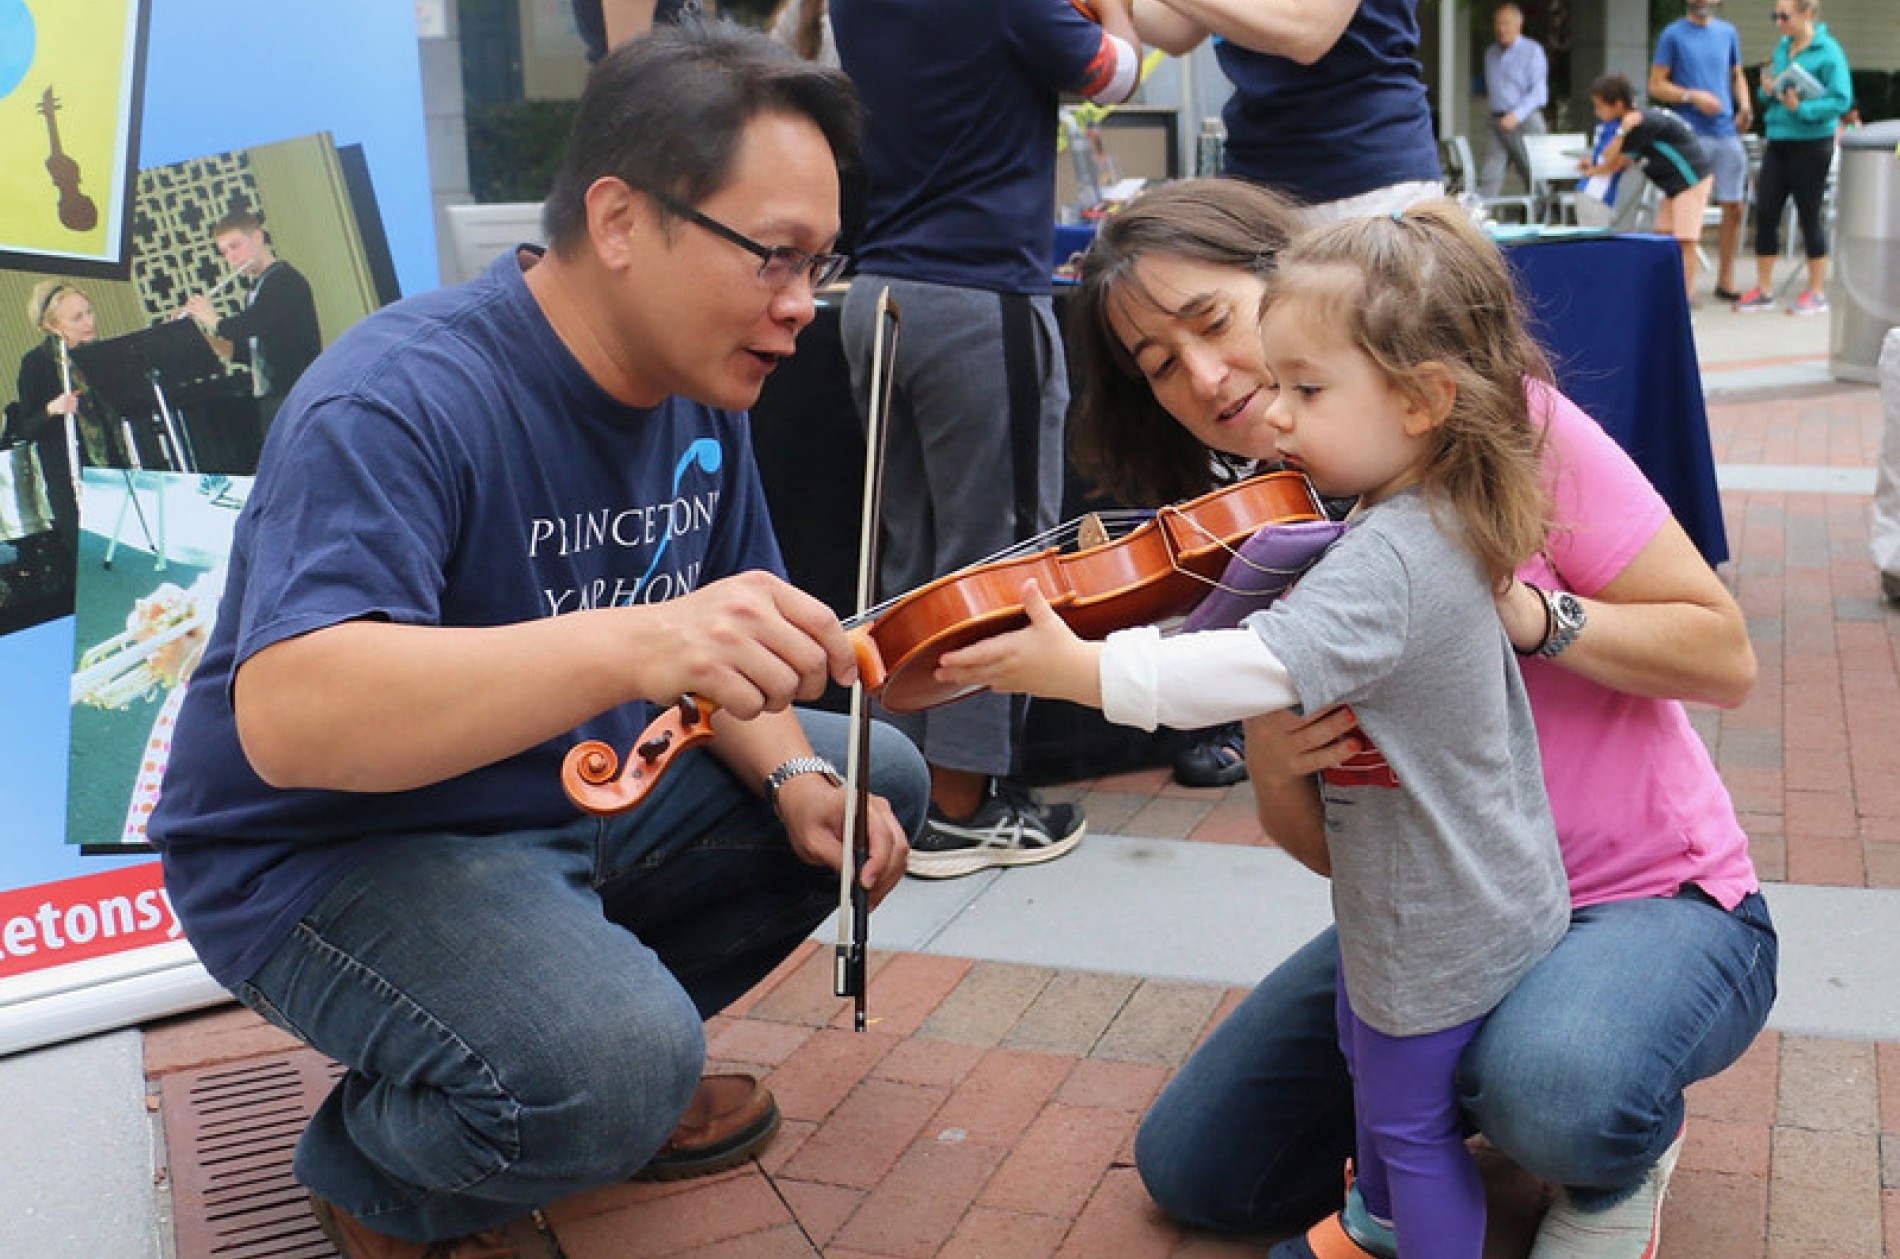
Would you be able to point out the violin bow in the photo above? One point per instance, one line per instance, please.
(854, 902)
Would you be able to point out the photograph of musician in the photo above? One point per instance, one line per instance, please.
(497, 519)
(55, 415)
(275, 333)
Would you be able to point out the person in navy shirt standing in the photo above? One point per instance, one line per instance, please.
(493, 521)
(960, 151)
(1329, 102)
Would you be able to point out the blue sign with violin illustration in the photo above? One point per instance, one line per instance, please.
(70, 79)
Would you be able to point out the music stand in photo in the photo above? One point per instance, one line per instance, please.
(131, 373)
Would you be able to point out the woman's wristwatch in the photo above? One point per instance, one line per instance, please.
(1564, 618)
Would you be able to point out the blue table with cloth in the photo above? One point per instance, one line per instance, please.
(1611, 313)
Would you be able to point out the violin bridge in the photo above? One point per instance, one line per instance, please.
(1090, 532)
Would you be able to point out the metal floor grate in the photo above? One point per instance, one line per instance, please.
(230, 1131)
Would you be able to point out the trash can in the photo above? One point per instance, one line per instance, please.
(1865, 278)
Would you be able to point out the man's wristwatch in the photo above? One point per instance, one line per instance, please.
(1564, 618)
(792, 769)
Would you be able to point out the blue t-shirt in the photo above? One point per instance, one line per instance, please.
(1702, 57)
(446, 462)
(960, 134)
(1354, 121)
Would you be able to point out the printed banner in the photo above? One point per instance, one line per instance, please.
(308, 112)
(74, 920)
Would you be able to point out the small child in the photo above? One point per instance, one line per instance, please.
(1670, 155)
(1398, 361)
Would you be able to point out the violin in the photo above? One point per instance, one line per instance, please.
(1157, 570)
(77, 213)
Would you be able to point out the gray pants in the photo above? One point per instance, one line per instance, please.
(973, 462)
(1502, 147)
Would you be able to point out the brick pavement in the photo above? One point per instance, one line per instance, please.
(989, 1108)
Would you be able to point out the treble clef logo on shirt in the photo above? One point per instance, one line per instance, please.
(704, 453)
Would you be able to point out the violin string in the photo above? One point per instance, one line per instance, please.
(1233, 553)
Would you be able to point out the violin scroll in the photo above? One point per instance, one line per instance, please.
(594, 780)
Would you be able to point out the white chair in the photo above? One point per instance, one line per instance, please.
(1461, 176)
(478, 232)
(1554, 174)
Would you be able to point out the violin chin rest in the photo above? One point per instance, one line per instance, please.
(1261, 569)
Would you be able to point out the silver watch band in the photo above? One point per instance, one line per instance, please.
(792, 769)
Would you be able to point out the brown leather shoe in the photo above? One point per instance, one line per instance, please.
(526, 1238)
(731, 1118)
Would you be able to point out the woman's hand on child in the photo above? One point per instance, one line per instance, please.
(1286, 743)
(1044, 658)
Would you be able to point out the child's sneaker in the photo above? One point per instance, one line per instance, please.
(1351, 1233)
(1753, 301)
(1809, 303)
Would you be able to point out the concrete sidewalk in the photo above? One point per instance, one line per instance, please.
(1022, 1021)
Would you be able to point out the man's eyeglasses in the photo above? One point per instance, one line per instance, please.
(1780, 15)
(779, 265)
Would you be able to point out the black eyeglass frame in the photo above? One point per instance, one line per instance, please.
(1776, 15)
(779, 265)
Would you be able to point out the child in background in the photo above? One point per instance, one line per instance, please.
(1671, 157)
(1398, 361)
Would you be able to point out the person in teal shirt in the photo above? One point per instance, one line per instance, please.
(1805, 88)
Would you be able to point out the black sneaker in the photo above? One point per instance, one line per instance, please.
(1010, 828)
(1216, 758)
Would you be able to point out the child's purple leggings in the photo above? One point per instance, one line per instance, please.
(1412, 1165)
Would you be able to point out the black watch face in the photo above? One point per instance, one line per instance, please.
(1569, 610)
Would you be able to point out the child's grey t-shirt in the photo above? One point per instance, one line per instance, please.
(1447, 883)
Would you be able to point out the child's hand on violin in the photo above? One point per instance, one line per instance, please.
(1044, 658)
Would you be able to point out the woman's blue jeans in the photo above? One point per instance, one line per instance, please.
(522, 1014)
(1578, 1075)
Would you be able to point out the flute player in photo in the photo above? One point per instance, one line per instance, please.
(276, 332)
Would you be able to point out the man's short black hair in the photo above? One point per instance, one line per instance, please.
(665, 113)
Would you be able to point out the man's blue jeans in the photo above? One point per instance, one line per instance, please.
(1578, 1075)
(522, 1014)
